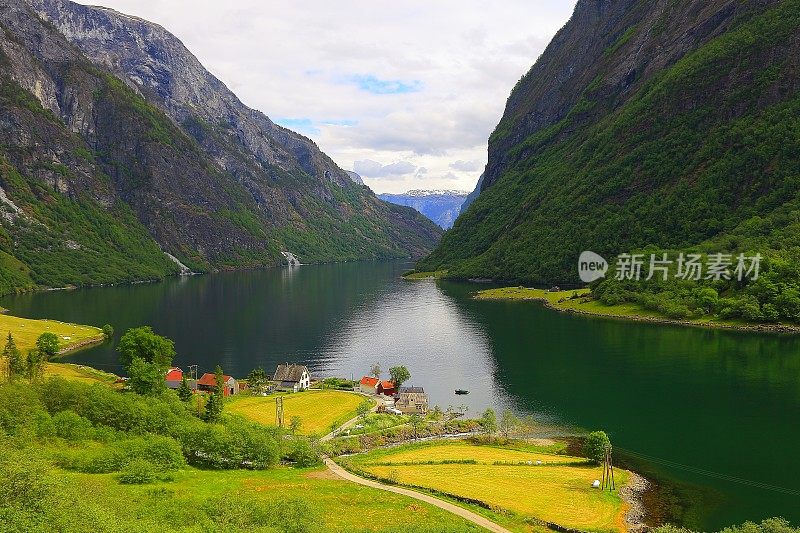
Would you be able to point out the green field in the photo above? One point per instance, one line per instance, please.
(558, 491)
(25, 332)
(318, 410)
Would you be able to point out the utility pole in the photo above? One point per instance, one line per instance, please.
(608, 471)
(279, 411)
(193, 371)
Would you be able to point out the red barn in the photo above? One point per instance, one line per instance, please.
(209, 382)
(386, 388)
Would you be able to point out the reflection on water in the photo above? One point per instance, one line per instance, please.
(722, 401)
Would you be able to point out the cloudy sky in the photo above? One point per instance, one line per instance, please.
(405, 93)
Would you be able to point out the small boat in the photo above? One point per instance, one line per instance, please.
(462, 391)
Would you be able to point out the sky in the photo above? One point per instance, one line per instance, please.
(406, 93)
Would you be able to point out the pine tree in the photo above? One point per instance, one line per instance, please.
(214, 404)
(184, 391)
(16, 363)
(37, 360)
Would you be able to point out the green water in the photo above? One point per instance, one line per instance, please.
(724, 402)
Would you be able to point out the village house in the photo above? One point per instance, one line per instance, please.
(174, 377)
(412, 400)
(292, 377)
(208, 382)
(386, 388)
(368, 385)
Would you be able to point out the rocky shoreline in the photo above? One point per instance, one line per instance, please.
(632, 494)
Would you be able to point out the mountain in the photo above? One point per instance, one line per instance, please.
(123, 157)
(473, 195)
(670, 124)
(442, 207)
(355, 177)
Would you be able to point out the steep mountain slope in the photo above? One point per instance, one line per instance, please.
(97, 178)
(664, 123)
(473, 195)
(442, 207)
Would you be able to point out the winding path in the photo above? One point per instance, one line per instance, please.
(441, 504)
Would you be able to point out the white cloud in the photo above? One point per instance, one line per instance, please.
(388, 83)
(372, 169)
(466, 166)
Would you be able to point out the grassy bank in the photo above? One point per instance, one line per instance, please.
(25, 332)
(581, 301)
(412, 275)
(505, 481)
(318, 410)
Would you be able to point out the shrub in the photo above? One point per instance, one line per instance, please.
(71, 426)
(304, 453)
(137, 472)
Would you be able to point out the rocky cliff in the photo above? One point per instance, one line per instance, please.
(118, 145)
(669, 124)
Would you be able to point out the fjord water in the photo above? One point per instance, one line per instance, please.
(726, 403)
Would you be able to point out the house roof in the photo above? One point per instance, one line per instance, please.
(386, 384)
(412, 390)
(369, 381)
(211, 380)
(174, 374)
(287, 372)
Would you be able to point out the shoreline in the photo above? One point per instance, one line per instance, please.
(753, 328)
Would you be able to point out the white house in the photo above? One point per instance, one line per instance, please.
(292, 377)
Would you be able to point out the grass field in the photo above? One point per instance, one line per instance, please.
(25, 332)
(558, 491)
(561, 300)
(78, 372)
(318, 410)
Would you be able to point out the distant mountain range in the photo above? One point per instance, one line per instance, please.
(123, 158)
(441, 206)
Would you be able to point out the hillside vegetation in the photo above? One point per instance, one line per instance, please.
(654, 145)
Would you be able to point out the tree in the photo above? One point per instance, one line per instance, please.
(508, 421)
(48, 344)
(364, 408)
(399, 375)
(416, 422)
(145, 378)
(489, 421)
(142, 343)
(294, 424)
(108, 331)
(375, 371)
(257, 380)
(37, 360)
(184, 391)
(14, 360)
(215, 400)
(597, 442)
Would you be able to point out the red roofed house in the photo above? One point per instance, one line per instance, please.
(209, 382)
(386, 388)
(368, 385)
(174, 377)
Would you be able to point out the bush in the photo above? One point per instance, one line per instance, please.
(108, 331)
(137, 472)
(71, 426)
(304, 453)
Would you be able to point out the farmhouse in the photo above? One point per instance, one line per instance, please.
(174, 377)
(292, 377)
(368, 385)
(208, 382)
(412, 400)
(386, 388)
